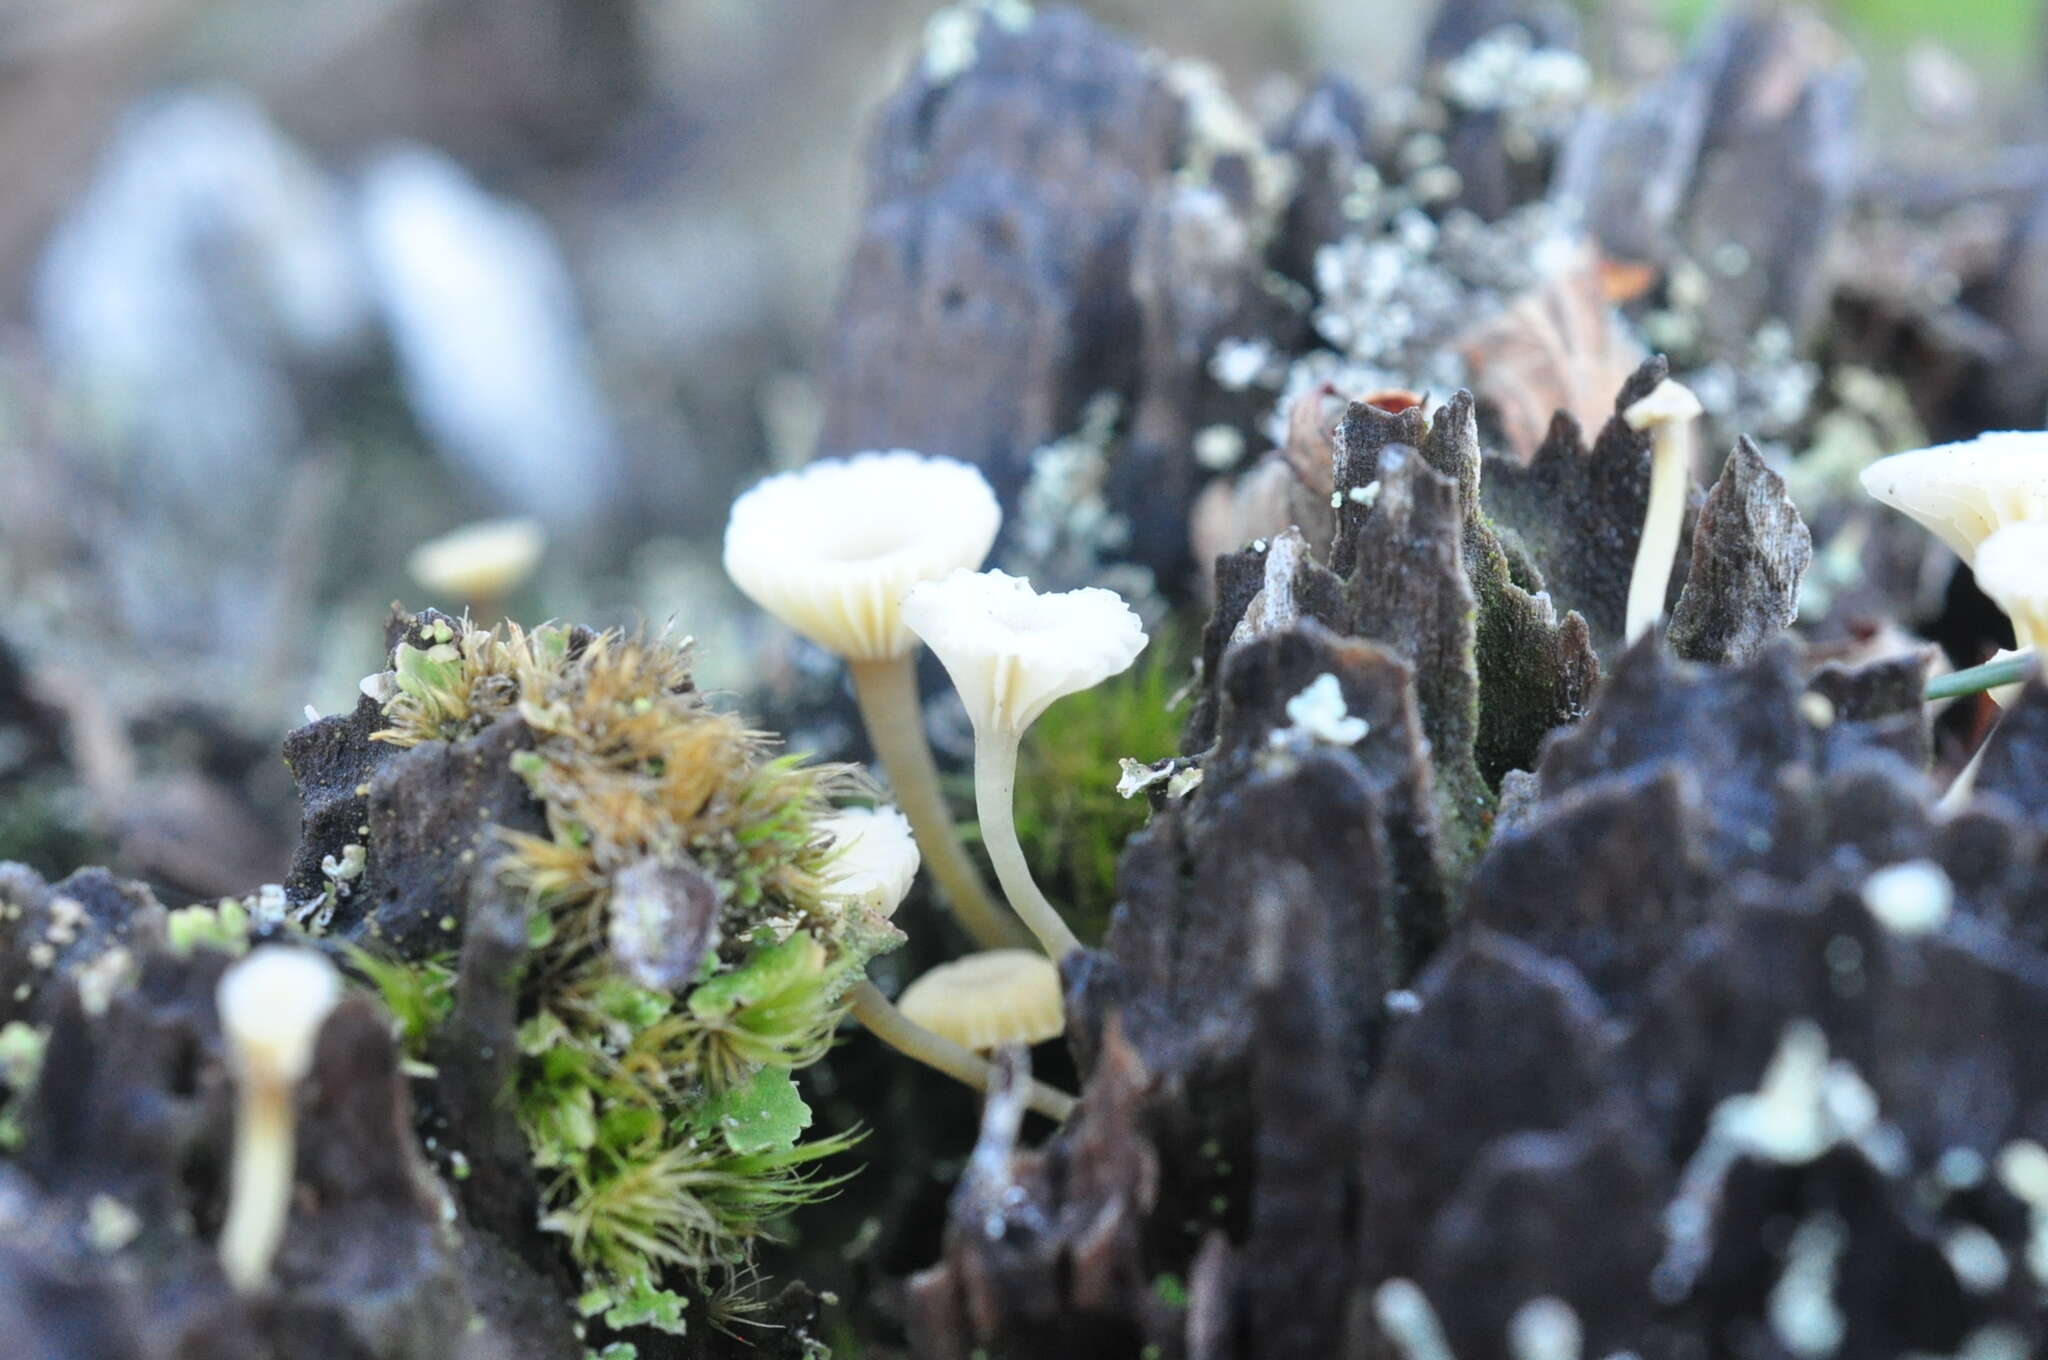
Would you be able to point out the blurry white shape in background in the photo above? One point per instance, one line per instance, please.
(483, 320)
(207, 264)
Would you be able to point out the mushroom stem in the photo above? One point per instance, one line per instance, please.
(881, 1019)
(1667, 413)
(995, 793)
(887, 692)
(260, 1183)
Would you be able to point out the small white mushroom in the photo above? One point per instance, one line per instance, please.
(986, 1000)
(1963, 493)
(1012, 652)
(272, 1004)
(830, 550)
(1667, 413)
(874, 858)
(479, 564)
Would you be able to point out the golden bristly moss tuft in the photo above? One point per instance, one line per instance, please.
(664, 1122)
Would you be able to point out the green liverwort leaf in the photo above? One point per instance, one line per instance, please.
(772, 971)
(765, 1115)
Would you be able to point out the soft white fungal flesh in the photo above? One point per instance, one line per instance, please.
(1965, 492)
(1013, 652)
(986, 1000)
(831, 548)
(874, 857)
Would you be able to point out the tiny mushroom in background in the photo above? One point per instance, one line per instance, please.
(479, 564)
(1011, 653)
(271, 1005)
(1964, 493)
(874, 862)
(830, 550)
(2012, 568)
(1667, 413)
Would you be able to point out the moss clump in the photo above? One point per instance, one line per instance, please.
(685, 955)
(1071, 820)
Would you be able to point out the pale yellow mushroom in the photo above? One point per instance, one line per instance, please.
(271, 1006)
(1668, 413)
(830, 550)
(1011, 653)
(479, 564)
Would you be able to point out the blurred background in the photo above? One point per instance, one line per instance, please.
(287, 290)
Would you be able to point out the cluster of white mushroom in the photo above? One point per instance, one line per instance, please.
(866, 556)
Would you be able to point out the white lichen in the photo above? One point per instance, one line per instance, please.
(1319, 714)
(1913, 898)
(1802, 1310)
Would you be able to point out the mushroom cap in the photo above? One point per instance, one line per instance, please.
(875, 857)
(831, 548)
(1668, 402)
(986, 1000)
(481, 561)
(272, 1005)
(1012, 651)
(2012, 568)
(1963, 493)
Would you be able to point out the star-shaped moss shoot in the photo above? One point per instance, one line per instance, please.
(1668, 413)
(1964, 493)
(830, 550)
(874, 860)
(271, 1006)
(1012, 652)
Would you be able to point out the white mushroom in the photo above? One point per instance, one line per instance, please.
(1963, 493)
(272, 1004)
(1667, 413)
(479, 564)
(830, 550)
(874, 857)
(1012, 652)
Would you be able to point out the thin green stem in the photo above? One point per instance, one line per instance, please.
(1977, 679)
(881, 1018)
(995, 793)
(887, 692)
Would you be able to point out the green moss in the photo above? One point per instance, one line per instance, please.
(668, 1132)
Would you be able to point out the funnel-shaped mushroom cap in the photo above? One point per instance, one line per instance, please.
(2012, 568)
(986, 1000)
(483, 561)
(1012, 651)
(272, 1005)
(1963, 493)
(874, 857)
(831, 548)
